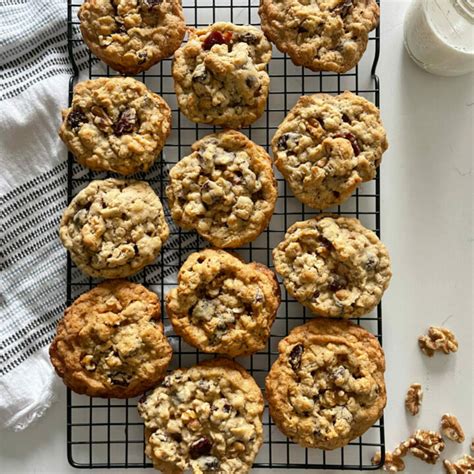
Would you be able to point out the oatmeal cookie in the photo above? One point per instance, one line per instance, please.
(327, 146)
(132, 35)
(115, 124)
(225, 189)
(220, 75)
(322, 35)
(113, 228)
(333, 265)
(327, 386)
(207, 418)
(110, 342)
(222, 304)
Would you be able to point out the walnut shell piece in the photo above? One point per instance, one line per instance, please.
(414, 398)
(438, 339)
(451, 428)
(464, 465)
(427, 446)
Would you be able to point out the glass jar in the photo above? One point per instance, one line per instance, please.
(439, 35)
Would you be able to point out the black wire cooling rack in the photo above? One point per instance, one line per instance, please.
(108, 433)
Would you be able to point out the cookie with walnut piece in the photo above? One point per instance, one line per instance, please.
(225, 189)
(322, 35)
(114, 227)
(327, 386)
(115, 124)
(111, 343)
(333, 265)
(132, 35)
(220, 75)
(327, 146)
(222, 304)
(207, 418)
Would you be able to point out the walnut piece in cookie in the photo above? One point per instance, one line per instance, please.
(225, 189)
(115, 124)
(113, 228)
(110, 342)
(451, 428)
(132, 35)
(333, 265)
(322, 35)
(438, 339)
(207, 418)
(223, 305)
(327, 146)
(414, 398)
(220, 75)
(465, 465)
(327, 386)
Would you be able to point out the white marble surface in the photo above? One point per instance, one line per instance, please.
(427, 225)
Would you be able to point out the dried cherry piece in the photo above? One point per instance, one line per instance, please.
(325, 243)
(142, 56)
(76, 118)
(295, 356)
(283, 140)
(337, 283)
(344, 8)
(201, 447)
(351, 137)
(126, 122)
(216, 37)
(248, 38)
(152, 3)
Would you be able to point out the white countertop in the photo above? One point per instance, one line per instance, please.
(426, 224)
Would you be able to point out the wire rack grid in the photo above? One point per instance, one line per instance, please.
(108, 433)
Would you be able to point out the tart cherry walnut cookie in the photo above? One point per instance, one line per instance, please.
(225, 189)
(115, 124)
(223, 305)
(132, 35)
(113, 228)
(322, 35)
(207, 418)
(328, 145)
(327, 386)
(110, 342)
(220, 76)
(333, 265)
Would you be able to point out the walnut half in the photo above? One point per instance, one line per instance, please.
(438, 339)
(428, 446)
(451, 428)
(464, 465)
(413, 398)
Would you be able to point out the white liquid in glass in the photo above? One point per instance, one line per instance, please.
(439, 35)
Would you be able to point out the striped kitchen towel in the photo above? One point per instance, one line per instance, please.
(34, 77)
(35, 71)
